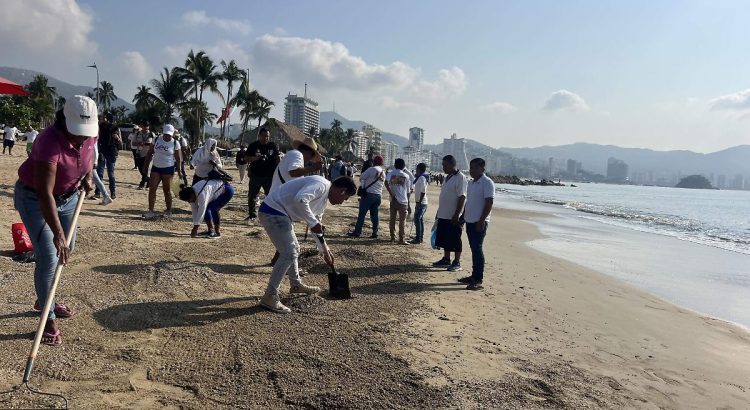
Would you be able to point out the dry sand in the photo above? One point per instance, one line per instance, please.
(165, 320)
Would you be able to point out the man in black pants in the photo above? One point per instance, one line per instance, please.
(263, 156)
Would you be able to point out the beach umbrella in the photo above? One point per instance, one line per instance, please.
(9, 87)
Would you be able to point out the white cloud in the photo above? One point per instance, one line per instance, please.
(200, 18)
(331, 65)
(222, 50)
(46, 26)
(390, 103)
(564, 100)
(739, 101)
(136, 65)
(499, 107)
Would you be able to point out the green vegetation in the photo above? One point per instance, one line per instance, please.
(695, 182)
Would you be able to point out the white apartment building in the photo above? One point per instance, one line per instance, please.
(416, 138)
(302, 112)
(456, 147)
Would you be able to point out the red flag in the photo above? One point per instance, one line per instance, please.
(226, 113)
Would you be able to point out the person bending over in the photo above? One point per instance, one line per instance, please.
(206, 198)
(303, 199)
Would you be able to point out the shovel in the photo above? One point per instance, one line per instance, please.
(338, 283)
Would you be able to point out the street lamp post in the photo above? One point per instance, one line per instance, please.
(97, 82)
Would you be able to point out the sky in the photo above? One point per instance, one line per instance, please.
(655, 74)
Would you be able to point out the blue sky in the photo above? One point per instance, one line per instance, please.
(657, 74)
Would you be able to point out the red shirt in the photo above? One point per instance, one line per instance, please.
(52, 147)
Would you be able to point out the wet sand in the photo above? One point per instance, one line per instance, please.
(167, 321)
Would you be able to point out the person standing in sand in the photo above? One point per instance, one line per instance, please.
(46, 195)
(30, 137)
(479, 199)
(303, 199)
(205, 159)
(241, 163)
(450, 206)
(166, 155)
(143, 141)
(371, 181)
(263, 156)
(420, 195)
(398, 184)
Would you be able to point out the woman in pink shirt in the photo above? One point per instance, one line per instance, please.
(47, 191)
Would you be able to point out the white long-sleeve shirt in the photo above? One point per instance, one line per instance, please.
(292, 160)
(206, 191)
(301, 199)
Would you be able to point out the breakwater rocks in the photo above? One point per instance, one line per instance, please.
(518, 181)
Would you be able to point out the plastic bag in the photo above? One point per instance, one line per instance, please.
(433, 236)
(21, 240)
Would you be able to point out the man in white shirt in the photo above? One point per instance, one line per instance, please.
(479, 199)
(303, 199)
(295, 162)
(451, 203)
(9, 139)
(420, 197)
(398, 184)
(30, 137)
(371, 182)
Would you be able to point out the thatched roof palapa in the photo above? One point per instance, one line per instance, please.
(283, 134)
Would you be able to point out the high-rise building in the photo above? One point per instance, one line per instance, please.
(456, 147)
(375, 137)
(617, 170)
(573, 167)
(389, 152)
(436, 162)
(302, 112)
(416, 138)
(363, 144)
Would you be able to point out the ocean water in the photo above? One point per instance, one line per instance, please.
(690, 247)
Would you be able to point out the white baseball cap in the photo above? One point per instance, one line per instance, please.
(168, 129)
(81, 116)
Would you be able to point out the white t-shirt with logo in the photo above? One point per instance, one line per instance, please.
(164, 152)
(420, 187)
(400, 184)
(453, 188)
(477, 192)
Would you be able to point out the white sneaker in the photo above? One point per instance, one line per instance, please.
(149, 215)
(106, 201)
(272, 303)
(305, 289)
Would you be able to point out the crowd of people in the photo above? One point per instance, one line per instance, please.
(69, 158)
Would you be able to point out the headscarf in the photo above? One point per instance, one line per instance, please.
(204, 154)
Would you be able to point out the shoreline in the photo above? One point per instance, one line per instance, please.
(559, 318)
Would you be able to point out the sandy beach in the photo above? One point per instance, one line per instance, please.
(167, 321)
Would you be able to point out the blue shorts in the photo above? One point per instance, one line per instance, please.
(166, 171)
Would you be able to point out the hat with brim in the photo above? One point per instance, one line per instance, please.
(310, 143)
(81, 116)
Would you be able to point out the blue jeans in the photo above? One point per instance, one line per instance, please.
(212, 210)
(476, 240)
(110, 163)
(27, 204)
(419, 212)
(370, 202)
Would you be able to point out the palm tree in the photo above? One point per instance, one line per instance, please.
(201, 73)
(261, 110)
(246, 100)
(120, 113)
(42, 98)
(143, 98)
(106, 95)
(170, 90)
(230, 74)
(195, 115)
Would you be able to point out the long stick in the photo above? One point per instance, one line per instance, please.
(307, 228)
(51, 296)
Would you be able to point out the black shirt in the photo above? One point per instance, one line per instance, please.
(240, 160)
(107, 144)
(267, 166)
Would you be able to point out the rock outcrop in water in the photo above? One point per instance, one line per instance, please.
(514, 180)
(694, 182)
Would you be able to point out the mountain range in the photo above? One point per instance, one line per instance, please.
(594, 157)
(23, 76)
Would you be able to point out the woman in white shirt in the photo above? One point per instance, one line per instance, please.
(165, 153)
(206, 198)
(205, 159)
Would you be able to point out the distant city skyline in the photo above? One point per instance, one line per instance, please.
(663, 75)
